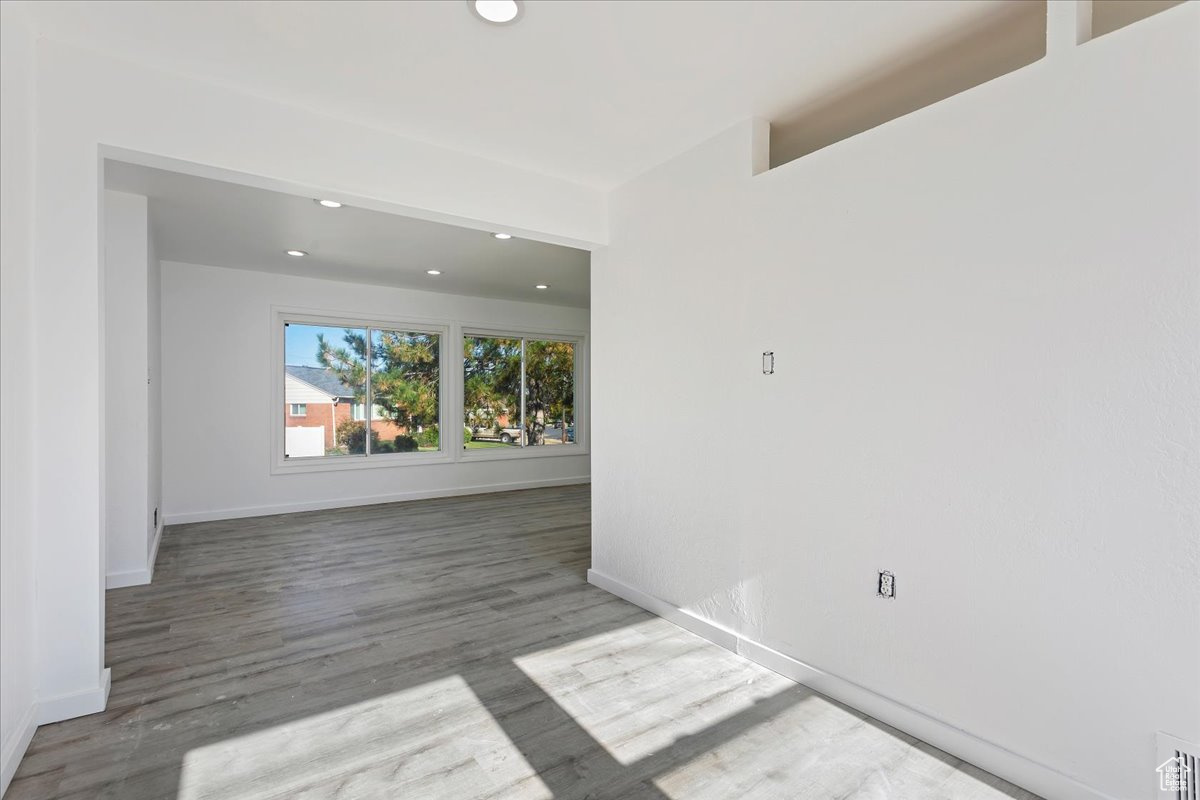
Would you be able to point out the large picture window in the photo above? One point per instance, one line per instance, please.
(360, 393)
(518, 392)
(335, 373)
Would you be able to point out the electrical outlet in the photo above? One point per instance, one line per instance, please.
(887, 584)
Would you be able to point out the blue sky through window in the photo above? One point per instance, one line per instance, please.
(300, 343)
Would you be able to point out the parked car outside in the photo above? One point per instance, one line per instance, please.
(506, 435)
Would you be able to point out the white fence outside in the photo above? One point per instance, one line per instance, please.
(304, 442)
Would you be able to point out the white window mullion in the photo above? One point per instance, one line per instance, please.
(523, 390)
(367, 396)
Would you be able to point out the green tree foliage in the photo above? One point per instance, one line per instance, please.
(404, 377)
(549, 386)
(404, 372)
(493, 383)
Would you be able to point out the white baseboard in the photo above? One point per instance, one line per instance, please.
(43, 712)
(76, 704)
(185, 517)
(15, 746)
(1013, 767)
(152, 555)
(133, 577)
(137, 577)
(661, 608)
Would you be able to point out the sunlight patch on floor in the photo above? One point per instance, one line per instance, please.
(831, 752)
(639, 689)
(434, 740)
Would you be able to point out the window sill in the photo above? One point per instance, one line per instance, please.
(537, 451)
(380, 461)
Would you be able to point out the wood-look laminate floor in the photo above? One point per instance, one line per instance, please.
(444, 649)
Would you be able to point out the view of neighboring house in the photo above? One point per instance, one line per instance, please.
(314, 397)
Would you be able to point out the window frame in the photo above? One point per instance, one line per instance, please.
(292, 412)
(280, 318)
(580, 447)
(450, 387)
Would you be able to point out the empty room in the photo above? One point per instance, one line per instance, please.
(565, 399)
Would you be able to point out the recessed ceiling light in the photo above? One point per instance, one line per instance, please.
(433, 272)
(328, 203)
(542, 286)
(497, 12)
(296, 253)
(502, 235)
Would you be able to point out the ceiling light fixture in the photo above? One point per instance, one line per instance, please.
(497, 12)
(502, 235)
(296, 253)
(328, 203)
(433, 272)
(542, 286)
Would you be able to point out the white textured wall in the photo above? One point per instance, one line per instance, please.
(986, 318)
(18, 412)
(218, 413)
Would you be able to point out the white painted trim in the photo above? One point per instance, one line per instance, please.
(511, 453)
(715, 633)
(133, 577)
(76, 704)
(1013, 767)
(14, 749)
(376, 461)
(350, 502)
(137, 577)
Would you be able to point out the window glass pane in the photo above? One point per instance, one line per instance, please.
(491, 392)
(549, 393)
(359, 412)
(324, 375)
(404, 387)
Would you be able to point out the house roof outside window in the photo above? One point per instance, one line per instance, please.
(323, 379)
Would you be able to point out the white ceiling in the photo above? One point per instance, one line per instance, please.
(594, 92)
(203, 221)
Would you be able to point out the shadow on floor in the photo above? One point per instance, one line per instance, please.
(377, 651)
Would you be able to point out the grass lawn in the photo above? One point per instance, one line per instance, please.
(479, 445)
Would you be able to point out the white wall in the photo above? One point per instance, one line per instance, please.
(226, 471)
(18, 411)
(985, 317)
(153, 390)
(908, 342)
(131, 337)
(85, 102)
